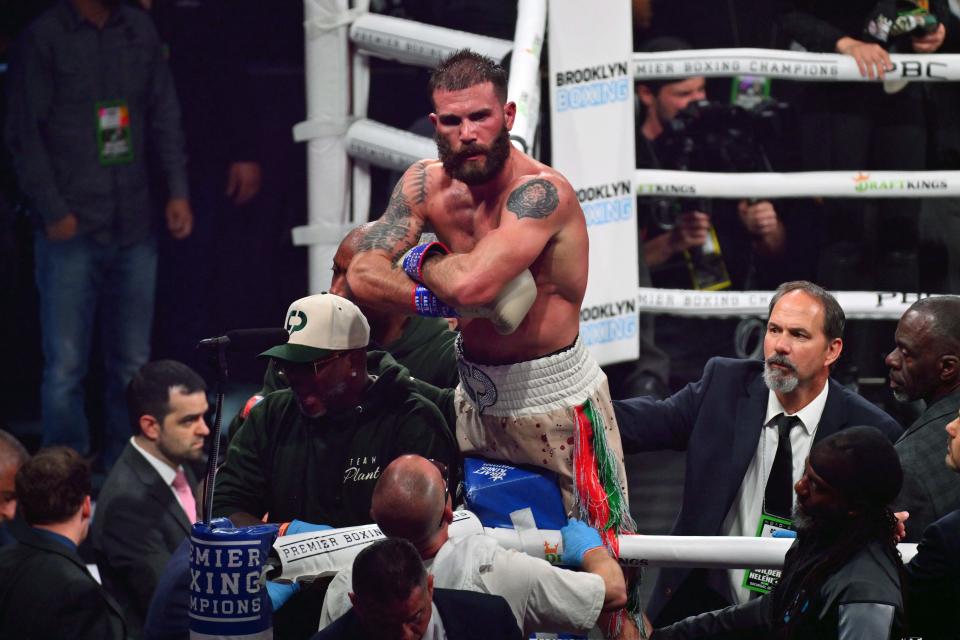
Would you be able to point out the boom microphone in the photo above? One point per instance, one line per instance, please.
(247, 340)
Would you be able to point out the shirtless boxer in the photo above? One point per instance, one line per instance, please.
(515, 274)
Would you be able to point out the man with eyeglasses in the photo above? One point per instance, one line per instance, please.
(412, 501)
(313, 452)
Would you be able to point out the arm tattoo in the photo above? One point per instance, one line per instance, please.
(534, 199)
(420, 182)
(392, 231)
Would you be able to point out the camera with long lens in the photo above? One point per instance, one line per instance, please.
(714, 137)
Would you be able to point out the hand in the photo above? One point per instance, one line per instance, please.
(901, 532)
(511, 305)
(63, 229)
(872, 59)
(760, 218)
(930, 42)
(578, 539)
(179, 218)
(299, 526)
(690, 231)
(243, 182)
(280, 592)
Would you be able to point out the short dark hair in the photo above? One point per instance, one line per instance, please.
(148, 393)
(833, 316)
(657, 45)
(465, 68)
(944, 311)
(51, 485)
(387, 571)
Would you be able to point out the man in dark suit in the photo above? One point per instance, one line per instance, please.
(925, 364)
(932, 587)
(147, 503)
(393, 597)
(740, 471)
(46, 592)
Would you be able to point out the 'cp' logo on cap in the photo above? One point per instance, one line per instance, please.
(296, 321)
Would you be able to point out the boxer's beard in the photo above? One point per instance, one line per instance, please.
(473, 173)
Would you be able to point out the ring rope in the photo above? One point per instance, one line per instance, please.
(789, 65)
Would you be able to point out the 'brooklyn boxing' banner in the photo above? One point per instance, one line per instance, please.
(591, 106)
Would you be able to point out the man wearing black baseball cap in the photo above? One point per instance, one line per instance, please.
(314, 451)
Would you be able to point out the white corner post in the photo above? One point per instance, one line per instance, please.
(326, 25)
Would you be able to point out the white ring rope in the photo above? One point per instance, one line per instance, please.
(787, 65)
(828, 184)
(418, 44)
(857, 305)
(324, 553)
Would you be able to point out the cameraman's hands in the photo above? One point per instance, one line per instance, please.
(761, 221)
(872, 59)
(690, 231)
(930, 42)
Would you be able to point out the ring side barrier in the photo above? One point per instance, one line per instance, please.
(338, 190)
(801, 184)
(324, 553)
(856, 305)
(789, 65)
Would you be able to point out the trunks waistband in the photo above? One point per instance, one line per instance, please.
(560, 380)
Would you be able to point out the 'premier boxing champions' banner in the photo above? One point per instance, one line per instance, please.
(592, 116)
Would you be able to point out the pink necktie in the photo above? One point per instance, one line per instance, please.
(185, 495)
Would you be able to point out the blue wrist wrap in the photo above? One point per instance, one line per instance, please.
(428, 304)
(414, 259)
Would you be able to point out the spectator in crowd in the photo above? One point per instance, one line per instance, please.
(12, 457)
(82, 125)
(841, 578)
(932, 587)
(737, 426)
(147, 504)
(413, 494)
(925, 364)
(393, 597)
(46, 591)
(221, 129)
(706, 244)
(314, 451)
(753, 238)
(863, 126)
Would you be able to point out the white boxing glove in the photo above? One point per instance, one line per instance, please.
(511, 305)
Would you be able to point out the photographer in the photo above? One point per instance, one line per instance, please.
(691, 243)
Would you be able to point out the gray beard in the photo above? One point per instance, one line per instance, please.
(900, 396)
(779, 382)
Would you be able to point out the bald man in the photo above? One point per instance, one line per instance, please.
(12, 457)
(412, 501)
(423, 345)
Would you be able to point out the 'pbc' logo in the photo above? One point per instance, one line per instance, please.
(296, 321)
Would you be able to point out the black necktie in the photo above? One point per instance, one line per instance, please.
(778, 497)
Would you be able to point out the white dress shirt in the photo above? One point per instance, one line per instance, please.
(744, 515)
(167, 473)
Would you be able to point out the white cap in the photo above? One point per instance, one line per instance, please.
(319, 325)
